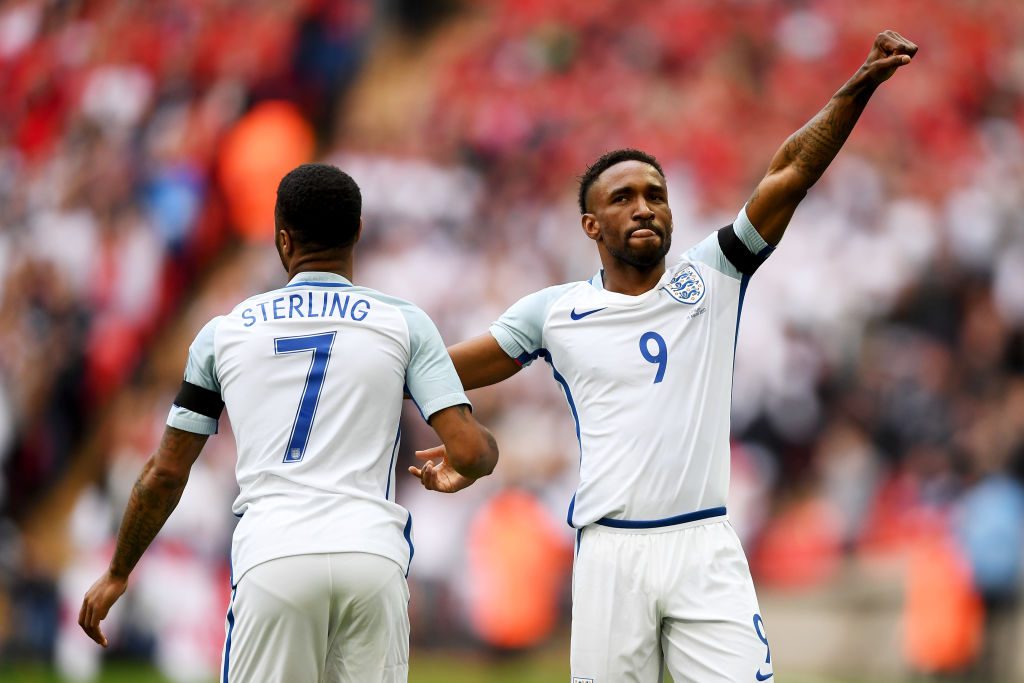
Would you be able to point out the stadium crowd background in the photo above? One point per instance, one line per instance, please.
(879, 388)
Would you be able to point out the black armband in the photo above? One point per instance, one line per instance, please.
(199, 400)
(737, 253)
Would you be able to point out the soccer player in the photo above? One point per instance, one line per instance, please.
(313, 376)
(644, 355)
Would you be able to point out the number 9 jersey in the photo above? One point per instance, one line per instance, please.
(648, 380)
(313, 376)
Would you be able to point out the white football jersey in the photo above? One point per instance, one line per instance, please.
(312, 376)
(648, 380)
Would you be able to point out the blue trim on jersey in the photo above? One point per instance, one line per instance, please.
(744, 281)
(568, 397)
(391, 467)
(543, 353)
(407, 532)
(319, 284)
(579, 534)
(667, 521)
(227, 641)
(405, 390)
(527, 357)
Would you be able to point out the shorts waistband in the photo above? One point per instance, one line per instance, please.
(709, 514)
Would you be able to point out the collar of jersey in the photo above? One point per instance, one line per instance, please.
(318, 278)
(597, 282)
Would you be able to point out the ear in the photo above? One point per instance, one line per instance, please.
(359, 230)
(284, 242)
(591, 227)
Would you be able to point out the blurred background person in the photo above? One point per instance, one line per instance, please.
(877, 408)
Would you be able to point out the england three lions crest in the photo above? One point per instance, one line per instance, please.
(687, 287)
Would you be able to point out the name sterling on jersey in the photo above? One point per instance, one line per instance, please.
(687, 287)
(310, 305)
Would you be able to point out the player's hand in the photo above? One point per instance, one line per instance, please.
(97, 603)
(439, 476)
(890, 52)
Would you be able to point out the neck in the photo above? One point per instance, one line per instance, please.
(623, 278)
(338, 263)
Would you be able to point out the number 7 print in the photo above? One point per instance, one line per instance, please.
(320, 345)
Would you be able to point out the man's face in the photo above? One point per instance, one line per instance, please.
(631, 217)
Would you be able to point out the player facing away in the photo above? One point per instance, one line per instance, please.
(644, 354)
(312, 376)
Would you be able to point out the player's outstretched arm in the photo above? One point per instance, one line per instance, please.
(469, 451)
(807, 153)
(480, 362)
(153, 499)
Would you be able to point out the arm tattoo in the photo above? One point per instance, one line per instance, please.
(152, 500)
(812, 148)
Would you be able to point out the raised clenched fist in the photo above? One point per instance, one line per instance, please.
(890, 52)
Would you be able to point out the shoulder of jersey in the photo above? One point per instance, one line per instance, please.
(576, 300)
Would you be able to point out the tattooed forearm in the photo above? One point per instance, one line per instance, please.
(153, 498)
(811, 149)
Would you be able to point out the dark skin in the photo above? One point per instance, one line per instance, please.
(630, 220)
(471, 452)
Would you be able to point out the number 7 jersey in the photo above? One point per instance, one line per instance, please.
(648, 380)
(312, 376)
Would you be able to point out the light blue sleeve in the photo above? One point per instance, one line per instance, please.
(201, 370)
(709, 250)
(430, 378)
(520, 330)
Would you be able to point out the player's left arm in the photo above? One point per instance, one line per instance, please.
(153, 499)
(803, 158)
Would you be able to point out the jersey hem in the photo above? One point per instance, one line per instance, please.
(666, 521)
(719, 516)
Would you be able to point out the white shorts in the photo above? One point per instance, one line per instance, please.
(679, 595)
(337, 618)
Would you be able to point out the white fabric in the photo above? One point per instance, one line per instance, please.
(316, 467)
(679, 596)
(333, 618)
(648, 379)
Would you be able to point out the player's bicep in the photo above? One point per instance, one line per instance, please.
(481, 362)
(771, 206)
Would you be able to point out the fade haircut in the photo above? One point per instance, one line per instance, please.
(320, 205)
(607, 160)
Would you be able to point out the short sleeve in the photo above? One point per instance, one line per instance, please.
(200, 377)
(736, 250)
(430, 378)
(520, 330)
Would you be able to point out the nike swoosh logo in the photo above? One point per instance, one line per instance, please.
(578, 316)
(763, 677)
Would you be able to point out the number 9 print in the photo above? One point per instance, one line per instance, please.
(660, 358)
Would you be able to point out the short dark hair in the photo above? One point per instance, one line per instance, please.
(320, 205)
(606, 161)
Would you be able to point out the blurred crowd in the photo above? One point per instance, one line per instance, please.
(878, 413)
